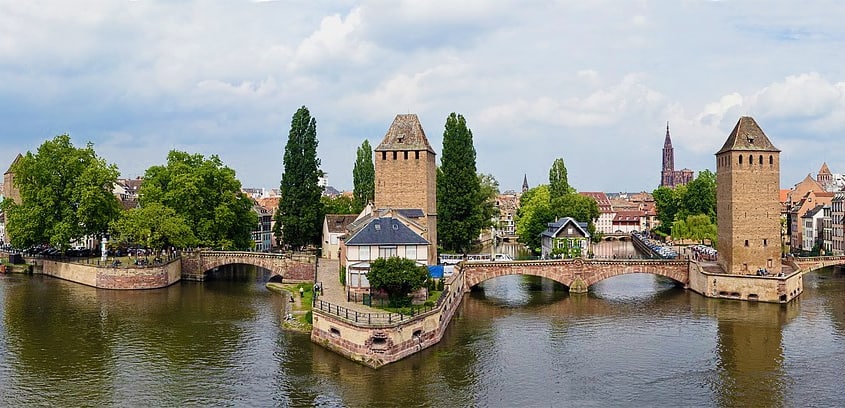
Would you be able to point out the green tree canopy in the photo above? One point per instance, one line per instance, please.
(460, 208)
(338, 205)
(558, 180)
(533, 215)
(153, 226)
(398, 277)
(206, 195)
(300, 214)
(700, 196)
(66, 194)
(696, 198)
(363, 177)
(489, 189)
(698, 227)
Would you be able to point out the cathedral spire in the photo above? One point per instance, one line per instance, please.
(525, 183)
(668, 141)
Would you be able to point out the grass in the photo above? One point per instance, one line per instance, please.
(406, 310)
(300, 308)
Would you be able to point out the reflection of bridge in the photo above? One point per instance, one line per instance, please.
(576, 274)
(290, 266)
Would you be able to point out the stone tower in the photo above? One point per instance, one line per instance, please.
(747, 201)
(667, 173)
(406, 175)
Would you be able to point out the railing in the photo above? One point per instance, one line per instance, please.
(295, 256)
(372, 318)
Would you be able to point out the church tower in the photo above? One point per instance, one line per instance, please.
(747, 201)
(406, 175)
(667, 174)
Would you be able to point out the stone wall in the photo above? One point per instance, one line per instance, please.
(771, 289)
(151, 277)
(292, 267)
(378, 344)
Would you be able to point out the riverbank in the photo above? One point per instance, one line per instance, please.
(297, 314)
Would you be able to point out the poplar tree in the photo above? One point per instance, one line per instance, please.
(300, 213)
(459, 199)
(363, 177)
(558, 180)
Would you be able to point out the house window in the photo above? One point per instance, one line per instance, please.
(364, 253)
(411, 252)
(386, 252)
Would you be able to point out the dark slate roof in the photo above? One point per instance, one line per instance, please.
(386, 231)
(410, 212)
(812, 212)
(748, 136)
(555, 227)
(406, 133)
(336, 223)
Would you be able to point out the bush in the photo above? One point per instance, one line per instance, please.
(309, 317)
(342, 276)
(441, 285)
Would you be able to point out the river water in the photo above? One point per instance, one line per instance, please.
(634, 340)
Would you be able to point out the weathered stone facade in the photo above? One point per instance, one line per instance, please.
(406, 174)
(748, 201)
(576, 274)
(292, 267)
(129, 278)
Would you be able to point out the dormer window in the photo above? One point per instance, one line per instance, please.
(396, 227)
(400, 138)
(377, 227)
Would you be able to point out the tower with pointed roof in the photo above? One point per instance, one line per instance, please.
(10, 192)
(747, 200)
(406, 174)
(667, 172)
(525, 183)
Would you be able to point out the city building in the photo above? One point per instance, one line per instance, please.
(811, 224)
(837, 219)
(262, 234)
(507, 203)
(565, 238)
(747, 200)
(669, 177)
(334, 227)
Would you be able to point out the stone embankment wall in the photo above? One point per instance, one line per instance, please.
(150, 277)
(377, 343)
(774, 289)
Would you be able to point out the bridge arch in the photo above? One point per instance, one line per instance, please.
(576, 274)
(291, 267)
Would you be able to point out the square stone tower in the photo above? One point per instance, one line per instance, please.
(406, 174)
(747, 201)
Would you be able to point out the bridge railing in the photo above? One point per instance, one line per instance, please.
(305, 257)
(374, 319)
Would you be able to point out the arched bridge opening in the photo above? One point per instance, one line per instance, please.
(289, 267)
(576, 274)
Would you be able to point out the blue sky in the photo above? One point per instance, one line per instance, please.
(591, 82)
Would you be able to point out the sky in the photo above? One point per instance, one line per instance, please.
(591, 82)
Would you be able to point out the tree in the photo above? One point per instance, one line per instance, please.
(459, 199)
(700, 196)
(398, 277)
(667, 202)
(363, 177)
(338, 205)
(206, 195)
(533, 216)
(299, 217)
(558, 180)
(153, 226)
(489, 189)
(66, 194)
(698, 227)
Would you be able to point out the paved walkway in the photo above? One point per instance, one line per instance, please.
(333, 291)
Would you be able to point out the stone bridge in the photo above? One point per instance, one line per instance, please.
(811, 263)
(289, 266)
(576, 274)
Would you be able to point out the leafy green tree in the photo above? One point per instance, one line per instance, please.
(66, 194)
(398, 277)
(668, 203)
(338, 205)
(206, 195)
(363, 177)
(533, 216)
(153, 226)
(700, 195)
(698, 227)
(558, 180)
(300, 213)
(459, 199)
(489, 189)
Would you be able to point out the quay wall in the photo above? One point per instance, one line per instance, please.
(773, 289)
(378, 343)
(103, 277)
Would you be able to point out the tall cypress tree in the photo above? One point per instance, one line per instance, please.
(459, 199)
(558, 180)
(363, 177)
(300, 210)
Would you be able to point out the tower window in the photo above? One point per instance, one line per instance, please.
(394, 155)
(761, 159)
(406, 157)
(746, 242)
(750, 160)
(765, 242)
(740, 160)
(417, 154)
(771, 160)
(384, 155)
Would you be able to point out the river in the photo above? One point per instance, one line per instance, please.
(634, 340)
